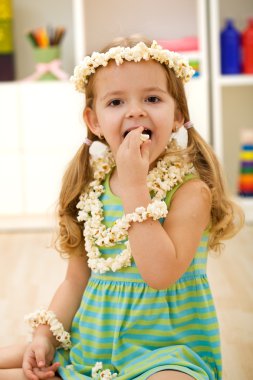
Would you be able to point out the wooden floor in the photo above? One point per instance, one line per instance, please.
(30, 272)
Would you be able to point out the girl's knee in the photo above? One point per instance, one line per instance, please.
(12, 356)
(17, 374)
(11, 374)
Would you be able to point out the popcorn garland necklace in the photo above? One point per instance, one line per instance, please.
(168, 173)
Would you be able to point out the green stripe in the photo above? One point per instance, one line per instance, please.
(153, 309)
(149, 298)
(109, 325)
(110, 302)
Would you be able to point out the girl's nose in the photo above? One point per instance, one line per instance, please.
(135, 110)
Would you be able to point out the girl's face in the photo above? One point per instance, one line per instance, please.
(129, 96)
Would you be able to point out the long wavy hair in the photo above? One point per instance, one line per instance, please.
(226, 217)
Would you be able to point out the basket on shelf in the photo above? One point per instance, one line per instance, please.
(47, 53)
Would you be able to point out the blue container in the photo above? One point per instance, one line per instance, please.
(230, 40)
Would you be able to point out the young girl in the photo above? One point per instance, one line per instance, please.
(138, 215)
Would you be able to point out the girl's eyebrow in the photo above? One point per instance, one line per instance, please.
(112, 94)
(155, 88)
(120, 93)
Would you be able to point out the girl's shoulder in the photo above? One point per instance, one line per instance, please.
(190, 208)
(191, 184)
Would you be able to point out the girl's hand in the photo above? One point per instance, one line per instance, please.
(132, 160)
(38, 358)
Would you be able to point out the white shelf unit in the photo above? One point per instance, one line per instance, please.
(41, 129)
(231, 96)
(235, 80)
(42, 121)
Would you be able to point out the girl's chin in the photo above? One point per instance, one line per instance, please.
(153, 160)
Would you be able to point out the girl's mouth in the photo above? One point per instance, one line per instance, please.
(145, 131)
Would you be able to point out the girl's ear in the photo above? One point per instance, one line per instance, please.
(90, 119)
(178, 120)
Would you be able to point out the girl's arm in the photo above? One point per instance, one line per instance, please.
(68, 296)
(164, 252)
(161, 252)
(64, 304)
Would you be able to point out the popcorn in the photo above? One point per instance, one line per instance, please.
(98, 373)
(98, 149)
(144, 137)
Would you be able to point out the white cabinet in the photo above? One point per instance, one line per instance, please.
(40, 130)
(40, 123)
(232, 95)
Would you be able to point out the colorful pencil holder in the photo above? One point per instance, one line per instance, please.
(46, 56)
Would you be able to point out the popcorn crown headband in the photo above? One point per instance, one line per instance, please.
(139, 52)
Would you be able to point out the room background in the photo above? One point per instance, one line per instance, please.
(41, 128)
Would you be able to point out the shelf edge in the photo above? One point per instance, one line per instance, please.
(235, 80)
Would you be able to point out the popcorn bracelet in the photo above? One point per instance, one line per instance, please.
(48, 317)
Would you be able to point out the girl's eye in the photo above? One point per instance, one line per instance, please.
(115, 102)
(153, 99)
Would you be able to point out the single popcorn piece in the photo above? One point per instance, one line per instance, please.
(144, 137)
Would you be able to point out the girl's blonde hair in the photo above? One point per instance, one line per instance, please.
(226, 217)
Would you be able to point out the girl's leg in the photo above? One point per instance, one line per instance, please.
(170, 375)
(11, 359)
(12, 356)
(16, 374)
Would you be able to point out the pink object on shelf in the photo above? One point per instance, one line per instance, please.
(181, 44)
(42, 68)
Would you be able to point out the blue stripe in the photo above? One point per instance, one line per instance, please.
(95, 339)
(166, 297)
(202, 249)
(112, 207)
(110, 218)
(128, 358)
(146, 306)
(97, 286)
(99, 351)
(175, 315)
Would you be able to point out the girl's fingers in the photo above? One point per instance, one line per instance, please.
(40, 358)
(145, 149)
(43, 373)
(46, 372)
(137, 144)
(28, 369)
(53, 367)
(30, 374)
(134, 138)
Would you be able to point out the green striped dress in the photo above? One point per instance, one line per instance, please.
(136, 330)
